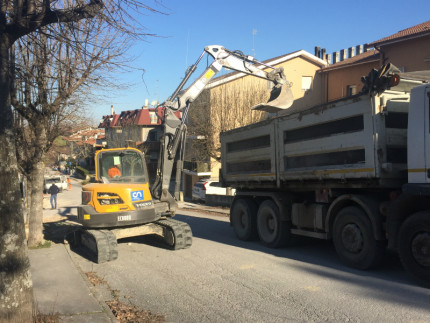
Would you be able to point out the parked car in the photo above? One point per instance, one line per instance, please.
(59, 180)
(204, 187)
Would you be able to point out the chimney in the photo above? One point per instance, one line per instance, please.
(323, 51)
(342, 54)
(359, 49)
(335, 57)
(317, 51)
(351, 52)
(328, 58)
(111, 110)
(365, 48)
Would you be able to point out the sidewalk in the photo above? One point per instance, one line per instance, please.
(58, 283)
(59, 287)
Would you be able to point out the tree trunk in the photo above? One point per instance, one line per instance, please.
(26, 204)
(35, 234)
(16, 288)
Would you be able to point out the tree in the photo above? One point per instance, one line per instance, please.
(20, 18)
(17, 19)
(224, 108)
(53, 69)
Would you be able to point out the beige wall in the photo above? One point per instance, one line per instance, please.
(295, 69)
(413, 55)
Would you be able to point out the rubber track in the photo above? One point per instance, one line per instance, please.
(182, 232)
(107, 247)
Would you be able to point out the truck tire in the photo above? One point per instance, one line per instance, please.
(243, 218)
(273, 232)
(414, 247)
(354, 240)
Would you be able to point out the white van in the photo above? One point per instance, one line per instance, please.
(59, 180)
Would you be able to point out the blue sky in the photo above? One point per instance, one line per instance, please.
(270, 28)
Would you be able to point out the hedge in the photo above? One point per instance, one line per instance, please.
(82, 171)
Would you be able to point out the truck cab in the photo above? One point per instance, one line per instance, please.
(419, 136)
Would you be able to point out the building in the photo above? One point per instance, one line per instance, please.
(343, 78)
(408, 50)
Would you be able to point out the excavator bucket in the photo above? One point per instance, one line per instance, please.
(281, 98)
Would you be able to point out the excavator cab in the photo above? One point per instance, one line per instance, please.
(122, 196)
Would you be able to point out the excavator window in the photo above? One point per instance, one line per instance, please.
(120, 166)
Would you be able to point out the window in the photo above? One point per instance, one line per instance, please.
(152, 135)
(153, 117)
(351, 90)
(306, 83)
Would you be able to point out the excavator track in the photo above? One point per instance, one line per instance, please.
(101, 244)
(177, 234)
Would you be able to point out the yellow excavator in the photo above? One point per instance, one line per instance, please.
(122, 204)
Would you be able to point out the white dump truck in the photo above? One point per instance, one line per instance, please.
(355, 171)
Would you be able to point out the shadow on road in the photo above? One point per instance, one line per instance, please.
(388, 282)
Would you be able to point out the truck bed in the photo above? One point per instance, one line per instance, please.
(356, 142)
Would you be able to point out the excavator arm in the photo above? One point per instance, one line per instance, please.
(236, 61)
(173, 141)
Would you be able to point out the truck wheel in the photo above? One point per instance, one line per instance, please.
(243, 218)
(354, 240)
(273, 232)
(414, 246)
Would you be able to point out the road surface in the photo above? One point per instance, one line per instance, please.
(222, 279)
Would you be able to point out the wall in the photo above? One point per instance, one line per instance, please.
(412, 54)
(336, 81)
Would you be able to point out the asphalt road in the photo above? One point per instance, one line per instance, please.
(222, 279)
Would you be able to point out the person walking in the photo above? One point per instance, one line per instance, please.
(53, 190)
(69, 184)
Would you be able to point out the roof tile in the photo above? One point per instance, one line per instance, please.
(423, 28)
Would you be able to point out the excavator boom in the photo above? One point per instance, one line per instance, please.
(280, 97)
